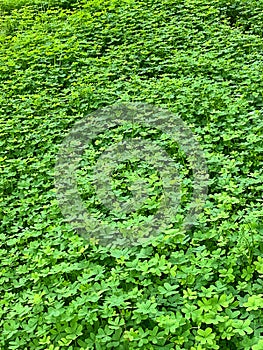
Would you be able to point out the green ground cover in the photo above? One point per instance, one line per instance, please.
(63, 59)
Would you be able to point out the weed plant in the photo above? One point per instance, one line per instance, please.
(63, 59)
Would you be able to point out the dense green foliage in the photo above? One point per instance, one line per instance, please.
(59, 61)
